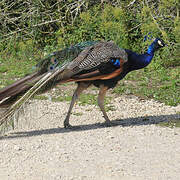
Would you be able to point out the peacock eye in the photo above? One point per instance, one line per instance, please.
(160, 43)
(51, 67)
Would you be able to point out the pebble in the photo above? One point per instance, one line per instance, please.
(17, 148)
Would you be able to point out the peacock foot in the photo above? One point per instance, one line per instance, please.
(68, 126)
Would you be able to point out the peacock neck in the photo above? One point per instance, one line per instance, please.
(139, 61)
(151, 49)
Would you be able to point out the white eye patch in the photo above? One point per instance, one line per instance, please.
(160, 43)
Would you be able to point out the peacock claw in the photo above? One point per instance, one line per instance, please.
(68, 126)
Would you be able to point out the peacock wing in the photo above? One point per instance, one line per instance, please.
(97, 60)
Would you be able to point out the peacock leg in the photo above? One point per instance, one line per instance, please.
(102, 93)
(81, 86)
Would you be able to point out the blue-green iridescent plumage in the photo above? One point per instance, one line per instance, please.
(64, 56)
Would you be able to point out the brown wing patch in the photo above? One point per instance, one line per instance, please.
(96, 75)
(100, 77)
(87, 75)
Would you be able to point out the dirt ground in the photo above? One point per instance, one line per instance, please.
(137, 148)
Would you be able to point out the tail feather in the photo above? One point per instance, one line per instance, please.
(20, 92)
(7, 102)
(49, 72)
(10, 94)
(11, 89)
(19, 86)
(7, 117)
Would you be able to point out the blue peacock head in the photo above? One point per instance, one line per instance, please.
(157, 43)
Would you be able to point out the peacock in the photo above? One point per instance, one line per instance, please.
(98, 63)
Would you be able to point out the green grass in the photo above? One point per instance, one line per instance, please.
(91, 99)
(172, 123)
(40, 97)
(14, 67)
(161, 84)
(62, 98)
(85, 99)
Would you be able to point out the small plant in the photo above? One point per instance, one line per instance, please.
(171, 123)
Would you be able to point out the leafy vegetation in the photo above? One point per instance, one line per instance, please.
(31, 29)
(171, 123)
(160, 84)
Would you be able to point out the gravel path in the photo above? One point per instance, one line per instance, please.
(41, 149)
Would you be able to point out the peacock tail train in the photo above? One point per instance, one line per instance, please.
(44, 77)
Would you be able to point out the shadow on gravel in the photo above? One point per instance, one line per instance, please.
(162, 120)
